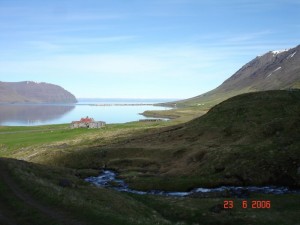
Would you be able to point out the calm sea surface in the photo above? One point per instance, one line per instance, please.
(43, 114)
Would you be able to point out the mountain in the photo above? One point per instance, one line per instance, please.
(32, 92)
(275, 70)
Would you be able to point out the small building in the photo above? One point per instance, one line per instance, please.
(87, 123)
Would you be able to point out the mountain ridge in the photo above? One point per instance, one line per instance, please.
(33, 92)
(275, 70)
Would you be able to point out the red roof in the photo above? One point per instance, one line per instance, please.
(86, 120)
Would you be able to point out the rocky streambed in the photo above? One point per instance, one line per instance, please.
(108, 179)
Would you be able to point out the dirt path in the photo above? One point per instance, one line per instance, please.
(55, 214)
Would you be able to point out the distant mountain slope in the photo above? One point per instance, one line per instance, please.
(28, 91)
(274, 70)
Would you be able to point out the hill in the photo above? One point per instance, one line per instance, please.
(275, 70)
(32, 92)
(250, 139)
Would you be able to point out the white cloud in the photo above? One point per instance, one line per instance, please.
(245, 37)
(45, 46)
(72, 40)
(167, 63)
(66, 43)
(91, 16)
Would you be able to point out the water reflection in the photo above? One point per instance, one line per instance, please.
(12, 114)
(44, 114)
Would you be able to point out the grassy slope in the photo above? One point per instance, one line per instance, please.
(86, 204)
(191, 108)
(214, 149)
(249, 139)
(79, 201)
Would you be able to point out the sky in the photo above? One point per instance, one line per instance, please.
(140, 48)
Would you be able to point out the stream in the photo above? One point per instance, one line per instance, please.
(108, 179)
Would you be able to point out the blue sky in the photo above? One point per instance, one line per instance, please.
(140, 48)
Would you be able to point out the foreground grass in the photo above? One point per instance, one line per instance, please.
(86, 204)
(233, 144)
(79, 201)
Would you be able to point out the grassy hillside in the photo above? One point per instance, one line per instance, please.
(246, 140)
(251, 139)
(33, 194)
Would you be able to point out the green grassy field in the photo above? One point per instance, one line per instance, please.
(251, 139)
(81, 203)
(18, 139)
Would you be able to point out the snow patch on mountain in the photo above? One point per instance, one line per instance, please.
(274, 71)
(292, 55)
(279, 51)
(33, 82)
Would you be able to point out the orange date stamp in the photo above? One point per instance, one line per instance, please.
(252, 204)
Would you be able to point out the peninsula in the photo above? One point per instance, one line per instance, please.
(33, 92)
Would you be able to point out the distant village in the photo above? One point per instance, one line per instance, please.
(87, 123)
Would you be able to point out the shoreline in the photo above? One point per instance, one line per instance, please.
(120, 104)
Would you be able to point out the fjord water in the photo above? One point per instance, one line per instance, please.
(110, 111)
